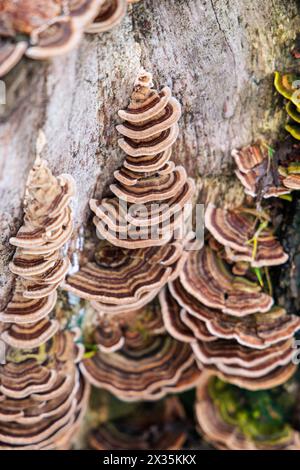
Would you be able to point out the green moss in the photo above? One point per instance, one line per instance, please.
(261, 416)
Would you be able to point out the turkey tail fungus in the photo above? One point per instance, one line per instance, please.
(42, 392)
(229, 319)
(43, 30)
(140, 240)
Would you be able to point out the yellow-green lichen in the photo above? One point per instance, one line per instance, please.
(262, 416)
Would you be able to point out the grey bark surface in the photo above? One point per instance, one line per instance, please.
(217, 55)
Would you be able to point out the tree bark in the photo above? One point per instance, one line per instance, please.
(218, 56)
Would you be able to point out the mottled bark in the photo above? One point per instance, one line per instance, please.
(218, 56)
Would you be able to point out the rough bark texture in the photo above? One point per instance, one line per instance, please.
(218, 56)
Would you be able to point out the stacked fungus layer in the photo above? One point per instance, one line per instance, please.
(224, 311)
(42, 393)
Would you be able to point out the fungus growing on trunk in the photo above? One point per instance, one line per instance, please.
(235, 229)
(111, 332)
(256, 172)
(146, 246)
(209, 280)
(229, 319)
(149, 364)
(52, 27)
(38, 261)
(42, 394)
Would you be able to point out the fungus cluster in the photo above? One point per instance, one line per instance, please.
(143, 225)
(42, 393)
(262, 176)
(38, 261)
(218, 305)
(144, 232)
(231, 419)
(152, 196)
(42, 30)
(152, 426)
(137, 360)
(110, 333)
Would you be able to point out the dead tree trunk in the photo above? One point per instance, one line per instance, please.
(219, 57)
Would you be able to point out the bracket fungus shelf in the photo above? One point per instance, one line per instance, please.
(42, 393)
(146, 365)
(42, 30)
(229, 319)
(38, 260)
(245, 236)
(115, 311)
(139, 252)
(42, 396)
(129, 271)
(163, 314)
(258, 174)
(109, 15)
(110, 333)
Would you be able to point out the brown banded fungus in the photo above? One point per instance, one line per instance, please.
(277, 376)
(111, 333)
(187, 319)
(54, 27)
(244, 352)
(229, 321)
(48, 28)
(41, 395)
(126, 279)
(235, 229)
(209, 279)
(111, 13)
(152, 197)
(38, 261)
(142, 373)
(259, 175)
(149, 364)
(145, 222)
(152, 426)
(234, 359)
